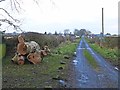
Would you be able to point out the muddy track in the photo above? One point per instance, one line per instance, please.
(85, 76)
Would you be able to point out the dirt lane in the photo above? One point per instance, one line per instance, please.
(86, 77)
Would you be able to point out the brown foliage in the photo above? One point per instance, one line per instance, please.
(108, 42)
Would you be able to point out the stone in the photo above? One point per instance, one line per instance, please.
(60, 68)
(62, 62)
(74, 54)
(57, 77)
(48, 86)
(5, 81)
(62, 83)
(66, 57)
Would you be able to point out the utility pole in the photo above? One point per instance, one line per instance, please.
(103, 21)
(102, 34)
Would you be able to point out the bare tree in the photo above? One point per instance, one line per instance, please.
(9, 19)
(16, 6)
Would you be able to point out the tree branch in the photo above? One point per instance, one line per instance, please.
(9, 15)
(2, 0)
(36, 1)
(15, 6)
(18, 4)
(10, 23)
(11, 4)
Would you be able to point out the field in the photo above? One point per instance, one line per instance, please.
(45, 75)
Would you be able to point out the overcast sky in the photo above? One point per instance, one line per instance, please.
(58, 15)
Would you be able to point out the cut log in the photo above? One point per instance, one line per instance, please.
(22, 48)
(21, 60)
(43, 53)
(32, 46)
(35, 57)
(20, 39)
(17, 59)
(27, 47)
(46, 48)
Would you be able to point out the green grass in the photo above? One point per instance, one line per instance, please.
(29, 76)
(91, 60)
(2, 50)
(110, 54)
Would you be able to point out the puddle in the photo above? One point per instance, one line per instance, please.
(74, 53)
(63, 84)
(75, 62)
(100, 75)
(83, 79)
(116, 68)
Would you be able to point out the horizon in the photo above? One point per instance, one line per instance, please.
(52, 33)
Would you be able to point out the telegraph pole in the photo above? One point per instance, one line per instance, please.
(103, 21)
(102, 34)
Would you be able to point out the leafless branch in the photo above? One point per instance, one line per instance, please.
(36, 1)
(52, 2)
(18, 3)
(2, 15)
(16, 27)
(11, 4)
(9, 15)
(15, 5)
(2, 0)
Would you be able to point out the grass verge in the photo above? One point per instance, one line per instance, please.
(2, 50)
(39, 76)
(91, 59)
(109, 54)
